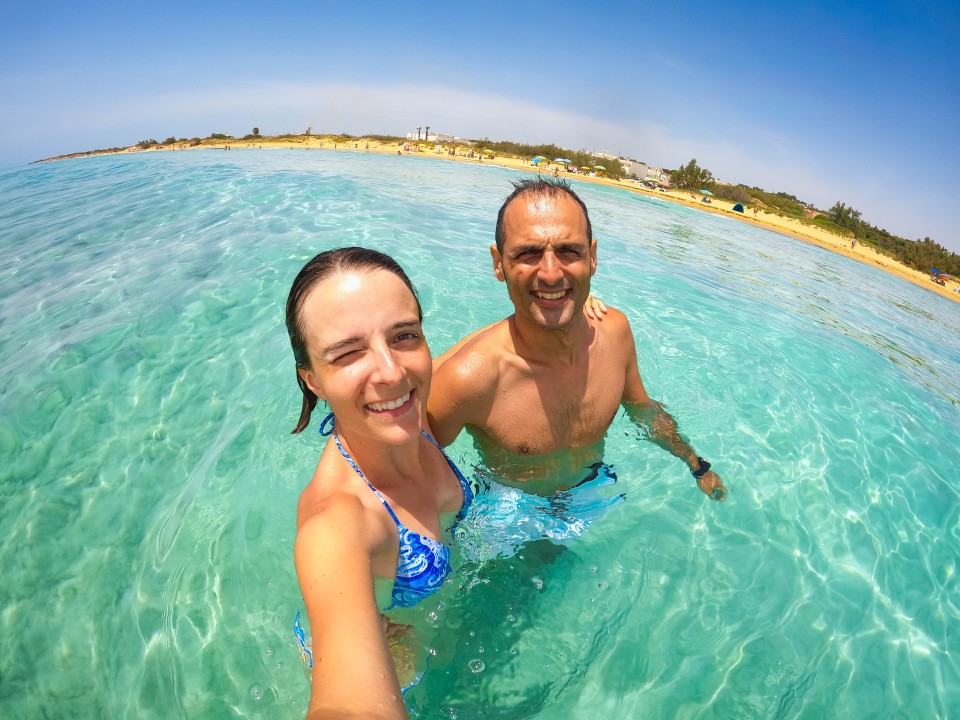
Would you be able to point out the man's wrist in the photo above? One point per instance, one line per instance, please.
(701, 468)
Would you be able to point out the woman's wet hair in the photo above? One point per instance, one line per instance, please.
(321, 267)
(539, 187)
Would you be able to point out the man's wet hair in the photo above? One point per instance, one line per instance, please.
(539, 187)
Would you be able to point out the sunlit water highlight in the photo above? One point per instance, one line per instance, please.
(148, 481)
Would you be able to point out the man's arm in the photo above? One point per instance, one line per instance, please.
(661, 428)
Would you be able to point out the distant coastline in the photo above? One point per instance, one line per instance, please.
(791, 227)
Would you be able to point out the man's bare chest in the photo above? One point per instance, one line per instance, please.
(541, 412)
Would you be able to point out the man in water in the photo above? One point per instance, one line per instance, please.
(538, 390)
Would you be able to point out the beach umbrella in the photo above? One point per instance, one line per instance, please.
(934, 271)
(706, 192)
(562, 160)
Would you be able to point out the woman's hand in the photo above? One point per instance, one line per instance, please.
(594, 308)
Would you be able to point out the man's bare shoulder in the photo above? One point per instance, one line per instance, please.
(614, 326)
(487, 334)
(476, 357)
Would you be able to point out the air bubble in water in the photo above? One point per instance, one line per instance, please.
(538, 583)
(476, 666)
(256, 692)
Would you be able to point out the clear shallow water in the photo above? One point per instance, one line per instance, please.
(148, 483)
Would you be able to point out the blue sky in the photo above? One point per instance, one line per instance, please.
(852, 102)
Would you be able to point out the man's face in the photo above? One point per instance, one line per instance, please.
(547, 259)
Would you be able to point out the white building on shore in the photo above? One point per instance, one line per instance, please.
(435, 137)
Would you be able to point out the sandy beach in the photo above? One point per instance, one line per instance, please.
(770, 221)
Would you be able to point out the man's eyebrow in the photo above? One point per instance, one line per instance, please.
(529, 247)
(558, 247)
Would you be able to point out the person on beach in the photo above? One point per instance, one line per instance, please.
(370, 523)
(538, 390)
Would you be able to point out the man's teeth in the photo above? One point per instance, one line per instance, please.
(389, 404)
(552, 296)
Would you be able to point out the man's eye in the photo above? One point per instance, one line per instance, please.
(346, 357)
(408, 336)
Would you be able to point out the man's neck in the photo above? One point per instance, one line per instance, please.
(549, 346)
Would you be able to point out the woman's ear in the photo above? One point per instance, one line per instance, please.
(310, 380)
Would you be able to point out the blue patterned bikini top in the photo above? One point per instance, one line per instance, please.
(423, 563)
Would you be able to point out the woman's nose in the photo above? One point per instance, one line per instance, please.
(388, 370)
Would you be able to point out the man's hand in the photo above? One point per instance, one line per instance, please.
(712, 486)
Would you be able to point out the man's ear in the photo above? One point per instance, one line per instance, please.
(498, 263)
(593, 256)
(311, 382)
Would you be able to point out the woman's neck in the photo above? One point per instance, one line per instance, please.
(383, 462)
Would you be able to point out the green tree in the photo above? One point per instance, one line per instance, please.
(845, 217)
(256, 132)
(691, 177)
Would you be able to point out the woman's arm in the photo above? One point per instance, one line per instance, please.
(353, 672)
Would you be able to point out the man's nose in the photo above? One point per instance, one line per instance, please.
(550, 271)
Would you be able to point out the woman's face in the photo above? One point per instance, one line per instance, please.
(369, 359)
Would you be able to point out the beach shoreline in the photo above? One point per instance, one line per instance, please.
(790, 227)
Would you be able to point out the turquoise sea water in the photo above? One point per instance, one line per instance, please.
(148, 481)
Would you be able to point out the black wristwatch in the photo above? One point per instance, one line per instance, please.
(701, 471)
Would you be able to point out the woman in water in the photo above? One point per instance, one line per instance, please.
(370, 522)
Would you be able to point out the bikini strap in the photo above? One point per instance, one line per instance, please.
(363, 477)
(464, 485)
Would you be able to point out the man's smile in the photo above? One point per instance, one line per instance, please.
(557, 295)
